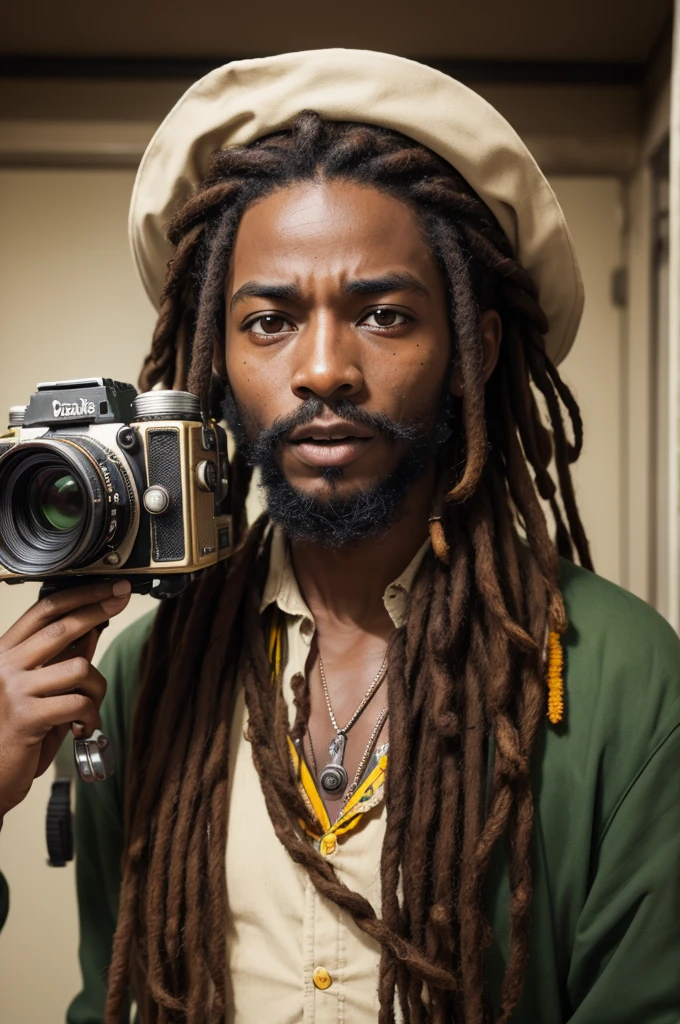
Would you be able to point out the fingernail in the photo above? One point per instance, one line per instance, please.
(79, 728)
(121, 587)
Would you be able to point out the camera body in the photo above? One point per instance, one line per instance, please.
(96, 479)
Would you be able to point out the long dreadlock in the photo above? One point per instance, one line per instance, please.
(466, 670)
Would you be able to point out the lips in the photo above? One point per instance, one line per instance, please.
(329, 430)
(335, 443)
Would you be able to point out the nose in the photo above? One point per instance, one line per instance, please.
(328, 362)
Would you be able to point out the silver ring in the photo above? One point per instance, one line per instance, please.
(94, 757)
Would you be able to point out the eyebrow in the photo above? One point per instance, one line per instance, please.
(260, 290)
(397, 282)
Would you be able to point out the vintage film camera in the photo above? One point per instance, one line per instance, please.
(96, 479)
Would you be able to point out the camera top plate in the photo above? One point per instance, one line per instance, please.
(70, 402)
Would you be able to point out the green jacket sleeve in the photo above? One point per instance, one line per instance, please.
(99, 829)
(625, 965)
(604, 940)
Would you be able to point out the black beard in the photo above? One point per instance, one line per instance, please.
(336, 521)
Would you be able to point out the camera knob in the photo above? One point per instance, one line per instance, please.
(156, 499)
(127, 439)
(16, 415)
(206, 476)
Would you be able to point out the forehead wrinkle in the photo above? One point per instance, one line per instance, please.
(339, 250)
(294, 214)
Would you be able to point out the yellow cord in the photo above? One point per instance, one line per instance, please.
(555, 679)
(275, 645)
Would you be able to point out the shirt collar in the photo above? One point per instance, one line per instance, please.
(281, 587)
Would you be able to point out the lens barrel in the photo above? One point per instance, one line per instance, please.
(53, 508)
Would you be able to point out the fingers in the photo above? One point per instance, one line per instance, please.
(56, 636)
(84, 647)
(52, 743)
(50, 747)
(74, 708)
(76, 675)
(56, 606)
(34, 717)
(87, 644)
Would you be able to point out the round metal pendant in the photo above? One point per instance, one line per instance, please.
(333, 779)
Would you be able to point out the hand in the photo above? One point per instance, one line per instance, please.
(47, 681)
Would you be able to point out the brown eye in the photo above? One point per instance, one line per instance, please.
(270, 324)
(384, 318)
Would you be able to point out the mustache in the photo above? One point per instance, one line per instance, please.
(312, 408)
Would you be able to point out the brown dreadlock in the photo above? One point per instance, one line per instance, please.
(465, 670)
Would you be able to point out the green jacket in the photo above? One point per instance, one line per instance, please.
(605, 930)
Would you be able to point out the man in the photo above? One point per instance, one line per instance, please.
(438, 758)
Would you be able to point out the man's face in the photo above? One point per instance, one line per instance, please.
(336, 313)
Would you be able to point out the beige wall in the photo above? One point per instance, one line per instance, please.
(72, 307)
(595, 371)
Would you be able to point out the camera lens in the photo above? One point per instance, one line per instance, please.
(57, 500)
(52, 508)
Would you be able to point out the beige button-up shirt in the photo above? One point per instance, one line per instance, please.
(292, 955)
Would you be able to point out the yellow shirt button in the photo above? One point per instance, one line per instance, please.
(322, 978)
(328, 844)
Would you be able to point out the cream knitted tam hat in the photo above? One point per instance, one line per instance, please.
(244, 100)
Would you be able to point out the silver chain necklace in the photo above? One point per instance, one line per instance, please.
(361, 767)
(333, 777)
(380, 721)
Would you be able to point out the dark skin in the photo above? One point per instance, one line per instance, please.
(333, 293)
(48, 684)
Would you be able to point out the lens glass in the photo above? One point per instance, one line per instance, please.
(56, 499)
(53, 517)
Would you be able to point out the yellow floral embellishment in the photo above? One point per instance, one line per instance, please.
(555, 679)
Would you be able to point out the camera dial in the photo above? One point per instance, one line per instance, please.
(16, 415)
(167, 405)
